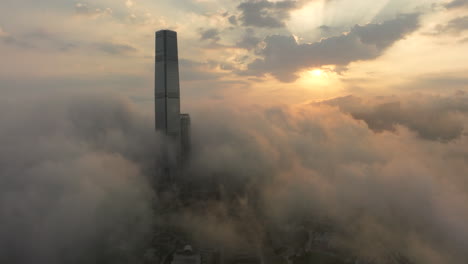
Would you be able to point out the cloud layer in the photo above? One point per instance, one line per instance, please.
(72, 181)
(74, 176)
(431, 117)
(283, 57)
(384, 194)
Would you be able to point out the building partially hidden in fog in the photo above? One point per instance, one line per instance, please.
(185, 141)
(168, 119)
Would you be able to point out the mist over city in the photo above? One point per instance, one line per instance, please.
(234, 131)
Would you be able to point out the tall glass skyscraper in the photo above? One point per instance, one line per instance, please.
(167, 91)
(168, 119)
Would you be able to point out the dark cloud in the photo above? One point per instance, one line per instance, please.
(263, 13)
(233, 20)
(325, 28)
(283, 57)
(431, 117)
(328, 31)
(249, 41)
(454, 26)
(210, 34)
(457, 4)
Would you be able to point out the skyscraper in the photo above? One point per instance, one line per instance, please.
(168, 119)
(167, 91)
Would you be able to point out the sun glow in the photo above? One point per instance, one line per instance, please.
(316, 72)
(321, 75)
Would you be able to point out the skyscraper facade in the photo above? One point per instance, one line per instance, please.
(168, 119)
(167, 90)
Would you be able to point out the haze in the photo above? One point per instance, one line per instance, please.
(351, 112)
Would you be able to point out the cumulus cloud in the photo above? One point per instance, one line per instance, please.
(431, 117)
(210, 34)
(381, 196)
(264, 13)
(283, 57)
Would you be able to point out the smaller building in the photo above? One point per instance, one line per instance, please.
(185, 136)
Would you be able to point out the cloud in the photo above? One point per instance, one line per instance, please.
(457, 4)
(449, 82)
(195, 71)
(381, 196)
(115, 49)
(72, 180)
(283, 57)
(129, 3)
(55, 42)
(39, 39)
(3, 34)
(83, 9)
(263, 13)
(291, 175)
(233, 20)
(431, 117)
(209, 34)
(454, 26)
(249, 41)
(465, 40)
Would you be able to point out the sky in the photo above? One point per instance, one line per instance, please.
(259, 52)
(354, 113)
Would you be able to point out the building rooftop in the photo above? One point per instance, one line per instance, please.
(167, 31)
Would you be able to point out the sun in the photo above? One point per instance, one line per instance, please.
(316, 72)
(318, 76)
